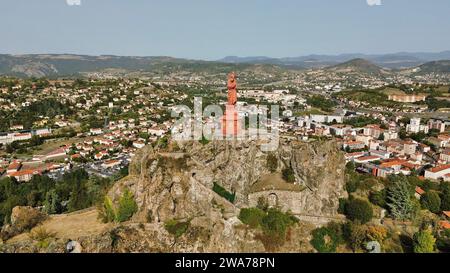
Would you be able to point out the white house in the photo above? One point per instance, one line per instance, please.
(437, 172)
(138, 144)
(95, 131)
(111, 163)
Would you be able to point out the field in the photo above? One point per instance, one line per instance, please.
(48, 146)
(70, 226)
(51, 145)
(372, 97)
(392, 91)
(311, 111)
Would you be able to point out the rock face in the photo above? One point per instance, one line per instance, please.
(176, 184)
(179, 184)
(22, 219)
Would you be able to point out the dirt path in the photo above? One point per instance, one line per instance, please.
(71, 226)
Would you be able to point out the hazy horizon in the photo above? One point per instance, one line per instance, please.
(250, 56)
(211, 30)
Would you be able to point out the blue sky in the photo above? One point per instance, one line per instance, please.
(212, 29)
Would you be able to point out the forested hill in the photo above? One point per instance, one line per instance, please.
(74, 65)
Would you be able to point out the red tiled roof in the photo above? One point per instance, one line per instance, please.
(370, 157)
(410, 165)
(14, 166)
(354, 154)
(409, 141)
(24, 172)
(111, 162)
(445, 224)
(23, 134)
(439, 168)
(419, 190)
(373, 126)
(446, 213)
(391, 163)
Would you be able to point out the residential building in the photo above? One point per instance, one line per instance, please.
(437, 172)
(366, 159)
(24, 175)
(14, 167)
(373, 130)
(111, 163)
(436, 124)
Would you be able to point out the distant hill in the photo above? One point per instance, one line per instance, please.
(65, 64)
(442, 66)
(52, 65)
(358, 65)
(56, 65)
(395, 60)
(262, 60)
(256, 59)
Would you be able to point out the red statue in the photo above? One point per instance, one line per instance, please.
(232, 93)
(230, 122)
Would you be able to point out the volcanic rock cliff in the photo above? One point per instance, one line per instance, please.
(176, 183)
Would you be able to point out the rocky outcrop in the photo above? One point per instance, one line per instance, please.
(22, 219)
(176, 184)
(203, 236)
(179, 184)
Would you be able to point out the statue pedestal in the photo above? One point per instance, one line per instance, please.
(230, 122)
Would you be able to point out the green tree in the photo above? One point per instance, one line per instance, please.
(52, 202)
(431, 201)
(288, 175)
(351, 185)
(272, 162)
(79, 198)
(127, 207)
(359, 210)
(321, 102)
(445, 196)
(176, 228)
(36, 140)
(107, 212)
(275, 224)
(324, 240)
(443, 241)
(342, 205)
(400, 199)
(252, 216)
(354, 234)
(126, 143)
(224, 193)
(9, 148)
(424, 242)
(204, 140)
(378, 198)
